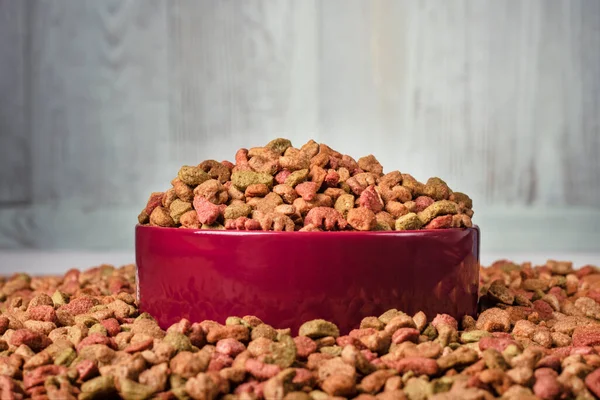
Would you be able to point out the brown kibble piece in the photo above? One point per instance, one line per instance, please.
(161, 217)
(361, 219)
(494, 320)
(183, 191)
(339, 385)
(370, 164)
(216, 170)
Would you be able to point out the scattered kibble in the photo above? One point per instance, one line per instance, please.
(81, 336)
(313, 188)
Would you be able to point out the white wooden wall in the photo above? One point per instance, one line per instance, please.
(101, 101)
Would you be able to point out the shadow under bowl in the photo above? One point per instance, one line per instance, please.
(287, 278)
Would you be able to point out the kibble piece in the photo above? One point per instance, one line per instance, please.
(243, 179)
(437, 189)
(192, 176)
(442, 207)
(296, 177)
(237, 210)
(494, 320)
(279, 145)
(361, 219)
(161, 217)
(409, 221)
(178, 208)
(216, 170)
(319, 328)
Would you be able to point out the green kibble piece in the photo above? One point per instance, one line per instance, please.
(454, 345)
(495, 360)
(510, 352)
(408, 222)
(179, 341)
(107, 270)
(318, 328)
(318, 395)
(234, 211)
(65, 357)
(281, 333)
(99, 307)
(442, 384)
(372, 322)
(176, 381)
(387, 316)
(59, 298)
(474, 336)
(279, 145)
(344, 203)
(243, 179)
(331, 350)
(215, 227)
(177, 208)
(230, 321)
(85, 320)
(180, 393)
(297, 177)
(442, 207)
(192, 176)
(97, 388)
(72, 373)
(98, 328)
(22, 276)
(283, 353)
(130, 390)
(430, 332)
(510, 267)
(538, 294)
(144, 315)
(416, 188)
(382, 226)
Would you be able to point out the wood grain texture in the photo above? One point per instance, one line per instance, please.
(498, 97)
(15, 160)
(99, 120)
(242, 73)
(580, 142)
(99, 110)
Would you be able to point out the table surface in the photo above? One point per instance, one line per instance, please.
(43, 262)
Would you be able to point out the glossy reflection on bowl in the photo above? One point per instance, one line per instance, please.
(286, 278)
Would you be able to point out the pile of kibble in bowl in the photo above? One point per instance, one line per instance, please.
(313, 188)
(81, 336)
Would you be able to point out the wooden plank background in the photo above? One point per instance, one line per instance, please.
(102, 101)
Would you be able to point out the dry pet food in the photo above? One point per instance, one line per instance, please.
(314, 188)
(81, 336)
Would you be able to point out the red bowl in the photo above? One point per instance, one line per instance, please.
(287, 278)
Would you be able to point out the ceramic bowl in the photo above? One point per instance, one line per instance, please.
(287, 278)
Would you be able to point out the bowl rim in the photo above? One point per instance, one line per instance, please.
(231, 232)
